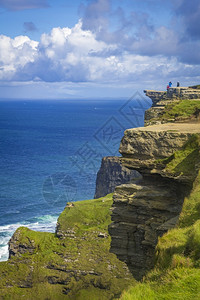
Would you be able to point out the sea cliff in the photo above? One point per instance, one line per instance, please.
(145, 210)
(101, 246)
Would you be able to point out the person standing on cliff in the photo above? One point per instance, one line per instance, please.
(178, 84)
(170, 84)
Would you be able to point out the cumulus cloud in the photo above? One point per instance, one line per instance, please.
(77, 55)
(15, 54)
(23, 4)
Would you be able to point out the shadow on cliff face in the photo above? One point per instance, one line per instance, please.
(111, 174)
(142, 212)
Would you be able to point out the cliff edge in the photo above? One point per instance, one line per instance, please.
(155, 222)
(145, 210)
(167, 157)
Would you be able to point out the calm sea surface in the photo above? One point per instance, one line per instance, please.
(50, 152)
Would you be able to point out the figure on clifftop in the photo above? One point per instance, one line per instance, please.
(178, 84)
(170, 84)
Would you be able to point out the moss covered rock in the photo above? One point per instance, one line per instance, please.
(74, 263)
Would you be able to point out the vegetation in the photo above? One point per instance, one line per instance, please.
(181, 110)
(77, 265)
(195, 86)
(185, 161)
(177, 269)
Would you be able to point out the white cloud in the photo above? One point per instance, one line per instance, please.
(15, 54)
(76, 55)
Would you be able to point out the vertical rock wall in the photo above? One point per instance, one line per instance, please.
(112, 174)
(141, 212)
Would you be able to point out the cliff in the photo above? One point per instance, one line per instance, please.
(178, 93)
(155, 222)
(167, 157)
(111, 174)
(145, 210)
(176, 105)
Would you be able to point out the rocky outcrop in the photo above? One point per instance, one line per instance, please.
(158, 141)
(17, 247)
(144, 210)
(154, 114)
(161, 99)
(173, 94)
(111, 174)
(156, 96)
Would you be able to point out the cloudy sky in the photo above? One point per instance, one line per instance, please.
(97, 48)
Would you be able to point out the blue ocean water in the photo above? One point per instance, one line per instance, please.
(50, 152)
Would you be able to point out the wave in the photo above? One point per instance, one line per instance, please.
(45, 223)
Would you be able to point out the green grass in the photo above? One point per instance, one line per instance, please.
(177, 266)
(176, 284)
(79, 267)
(184, 109)
(87, 216)
(184, 161)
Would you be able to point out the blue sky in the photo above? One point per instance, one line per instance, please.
(97, 48)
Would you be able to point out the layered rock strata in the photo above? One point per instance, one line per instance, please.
(157, 141)
(160, 99)
(144, 210)
(173, 94)
(141, 212)
(111, 174)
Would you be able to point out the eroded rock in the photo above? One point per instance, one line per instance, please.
(141, 212)
(111, 174)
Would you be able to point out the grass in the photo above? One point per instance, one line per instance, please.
(184, 161)
(176, 284)
(79, 267)
(184, 109)
(177, 272)
(177, 267)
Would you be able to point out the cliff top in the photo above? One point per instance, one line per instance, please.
(173, 93)
(180, 127)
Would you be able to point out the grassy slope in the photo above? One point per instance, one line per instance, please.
(184, 109)
(69, 268)
(177, 272)
(185, 161)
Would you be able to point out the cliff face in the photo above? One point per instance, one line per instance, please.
(183, 102)
(155, 142)
(142, 212)
(147, 209)
(111, 174)
(173, 93)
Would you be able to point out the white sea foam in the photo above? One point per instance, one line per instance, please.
(45, 223)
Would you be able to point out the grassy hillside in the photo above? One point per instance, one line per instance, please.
(77, 265)
(181, 110)
(177, 270)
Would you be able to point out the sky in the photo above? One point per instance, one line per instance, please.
(97, 48)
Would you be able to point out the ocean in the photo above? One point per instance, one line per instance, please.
(50, 152)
